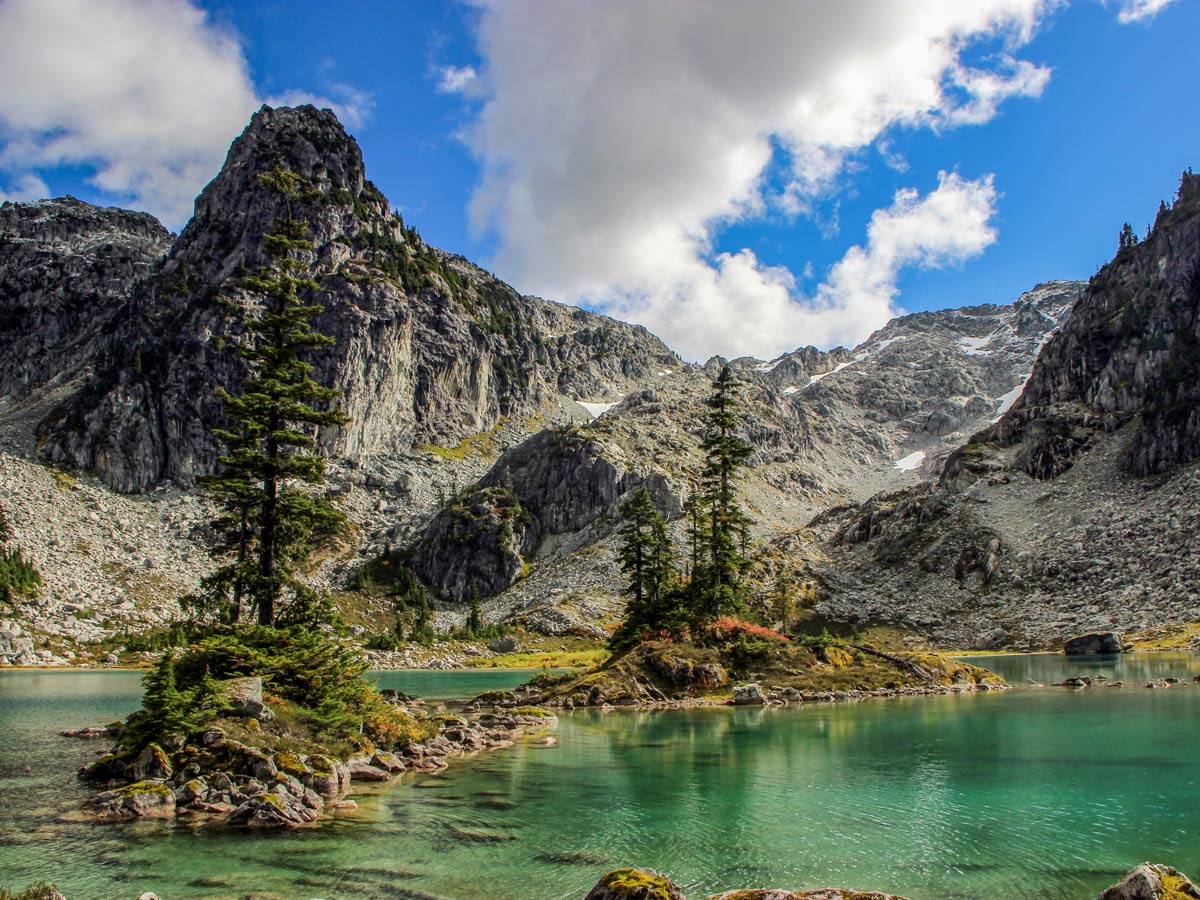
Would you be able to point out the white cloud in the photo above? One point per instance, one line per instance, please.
(737, 306)
(24, 187)
(617, 138)
(146, 93)
(1140, 10)
(352, 106)
(457, 79)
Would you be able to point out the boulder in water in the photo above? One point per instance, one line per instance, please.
(1093, 642)
(1151, 881)
(635, 884)
(748, 694)
(140, 800)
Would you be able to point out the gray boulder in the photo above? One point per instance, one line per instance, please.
(141, 800)
(278, 808)
(245, 696)
(1093, 642)
(748, 695)
(152, 764)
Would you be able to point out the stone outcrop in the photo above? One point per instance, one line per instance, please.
(1131, 350)
(558, 482)
(67, 269)
(1093, 642)
(1045, 522)
(1151, 881)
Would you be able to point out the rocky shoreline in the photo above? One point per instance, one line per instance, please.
(235, 784)
(1148, 881)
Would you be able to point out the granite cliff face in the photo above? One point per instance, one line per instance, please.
(556, 492)
(430, 349)
(66, 271)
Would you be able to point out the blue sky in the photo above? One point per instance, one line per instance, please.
(710, 171)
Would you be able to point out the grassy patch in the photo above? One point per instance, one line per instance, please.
(473, 446)
(1179, 636)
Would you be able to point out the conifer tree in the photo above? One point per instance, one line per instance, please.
(273, 418)
(165, 705)
(716, 584)
(646, 559)
(1128, 238)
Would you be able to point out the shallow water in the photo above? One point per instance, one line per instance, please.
(1035, 793)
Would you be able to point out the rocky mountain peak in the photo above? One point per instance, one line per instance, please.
(1130, 349)
(429, 349)
(235, 209)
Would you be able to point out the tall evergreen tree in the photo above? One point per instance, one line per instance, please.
(270, 443)
(647, 560)
(717, 583)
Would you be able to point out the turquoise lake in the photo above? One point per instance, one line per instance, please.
(1031, 793)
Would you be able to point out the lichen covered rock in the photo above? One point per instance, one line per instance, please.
(1151, 881)
(635, 884)
(140, 800)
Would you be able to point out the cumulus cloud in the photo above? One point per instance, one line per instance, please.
(1140, 10)
(735, 305)
(616, 139)
(145, 93)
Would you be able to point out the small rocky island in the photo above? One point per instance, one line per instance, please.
(270, 728)
(733, 662)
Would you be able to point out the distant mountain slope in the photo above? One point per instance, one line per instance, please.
(1076, 509)
(114, 340)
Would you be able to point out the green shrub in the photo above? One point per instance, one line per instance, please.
(18, 577)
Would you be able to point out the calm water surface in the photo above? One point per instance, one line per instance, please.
(1035, 793)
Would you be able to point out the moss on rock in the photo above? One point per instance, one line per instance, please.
(635, 884)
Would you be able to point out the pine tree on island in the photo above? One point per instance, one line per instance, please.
(717, 583)
(646, 559)
(659, 602)
(267, 519)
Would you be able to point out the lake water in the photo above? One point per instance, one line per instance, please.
(1048, 794)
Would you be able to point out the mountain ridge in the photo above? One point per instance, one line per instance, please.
(458, 385)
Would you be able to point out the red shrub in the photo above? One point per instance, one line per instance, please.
(727, 627)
